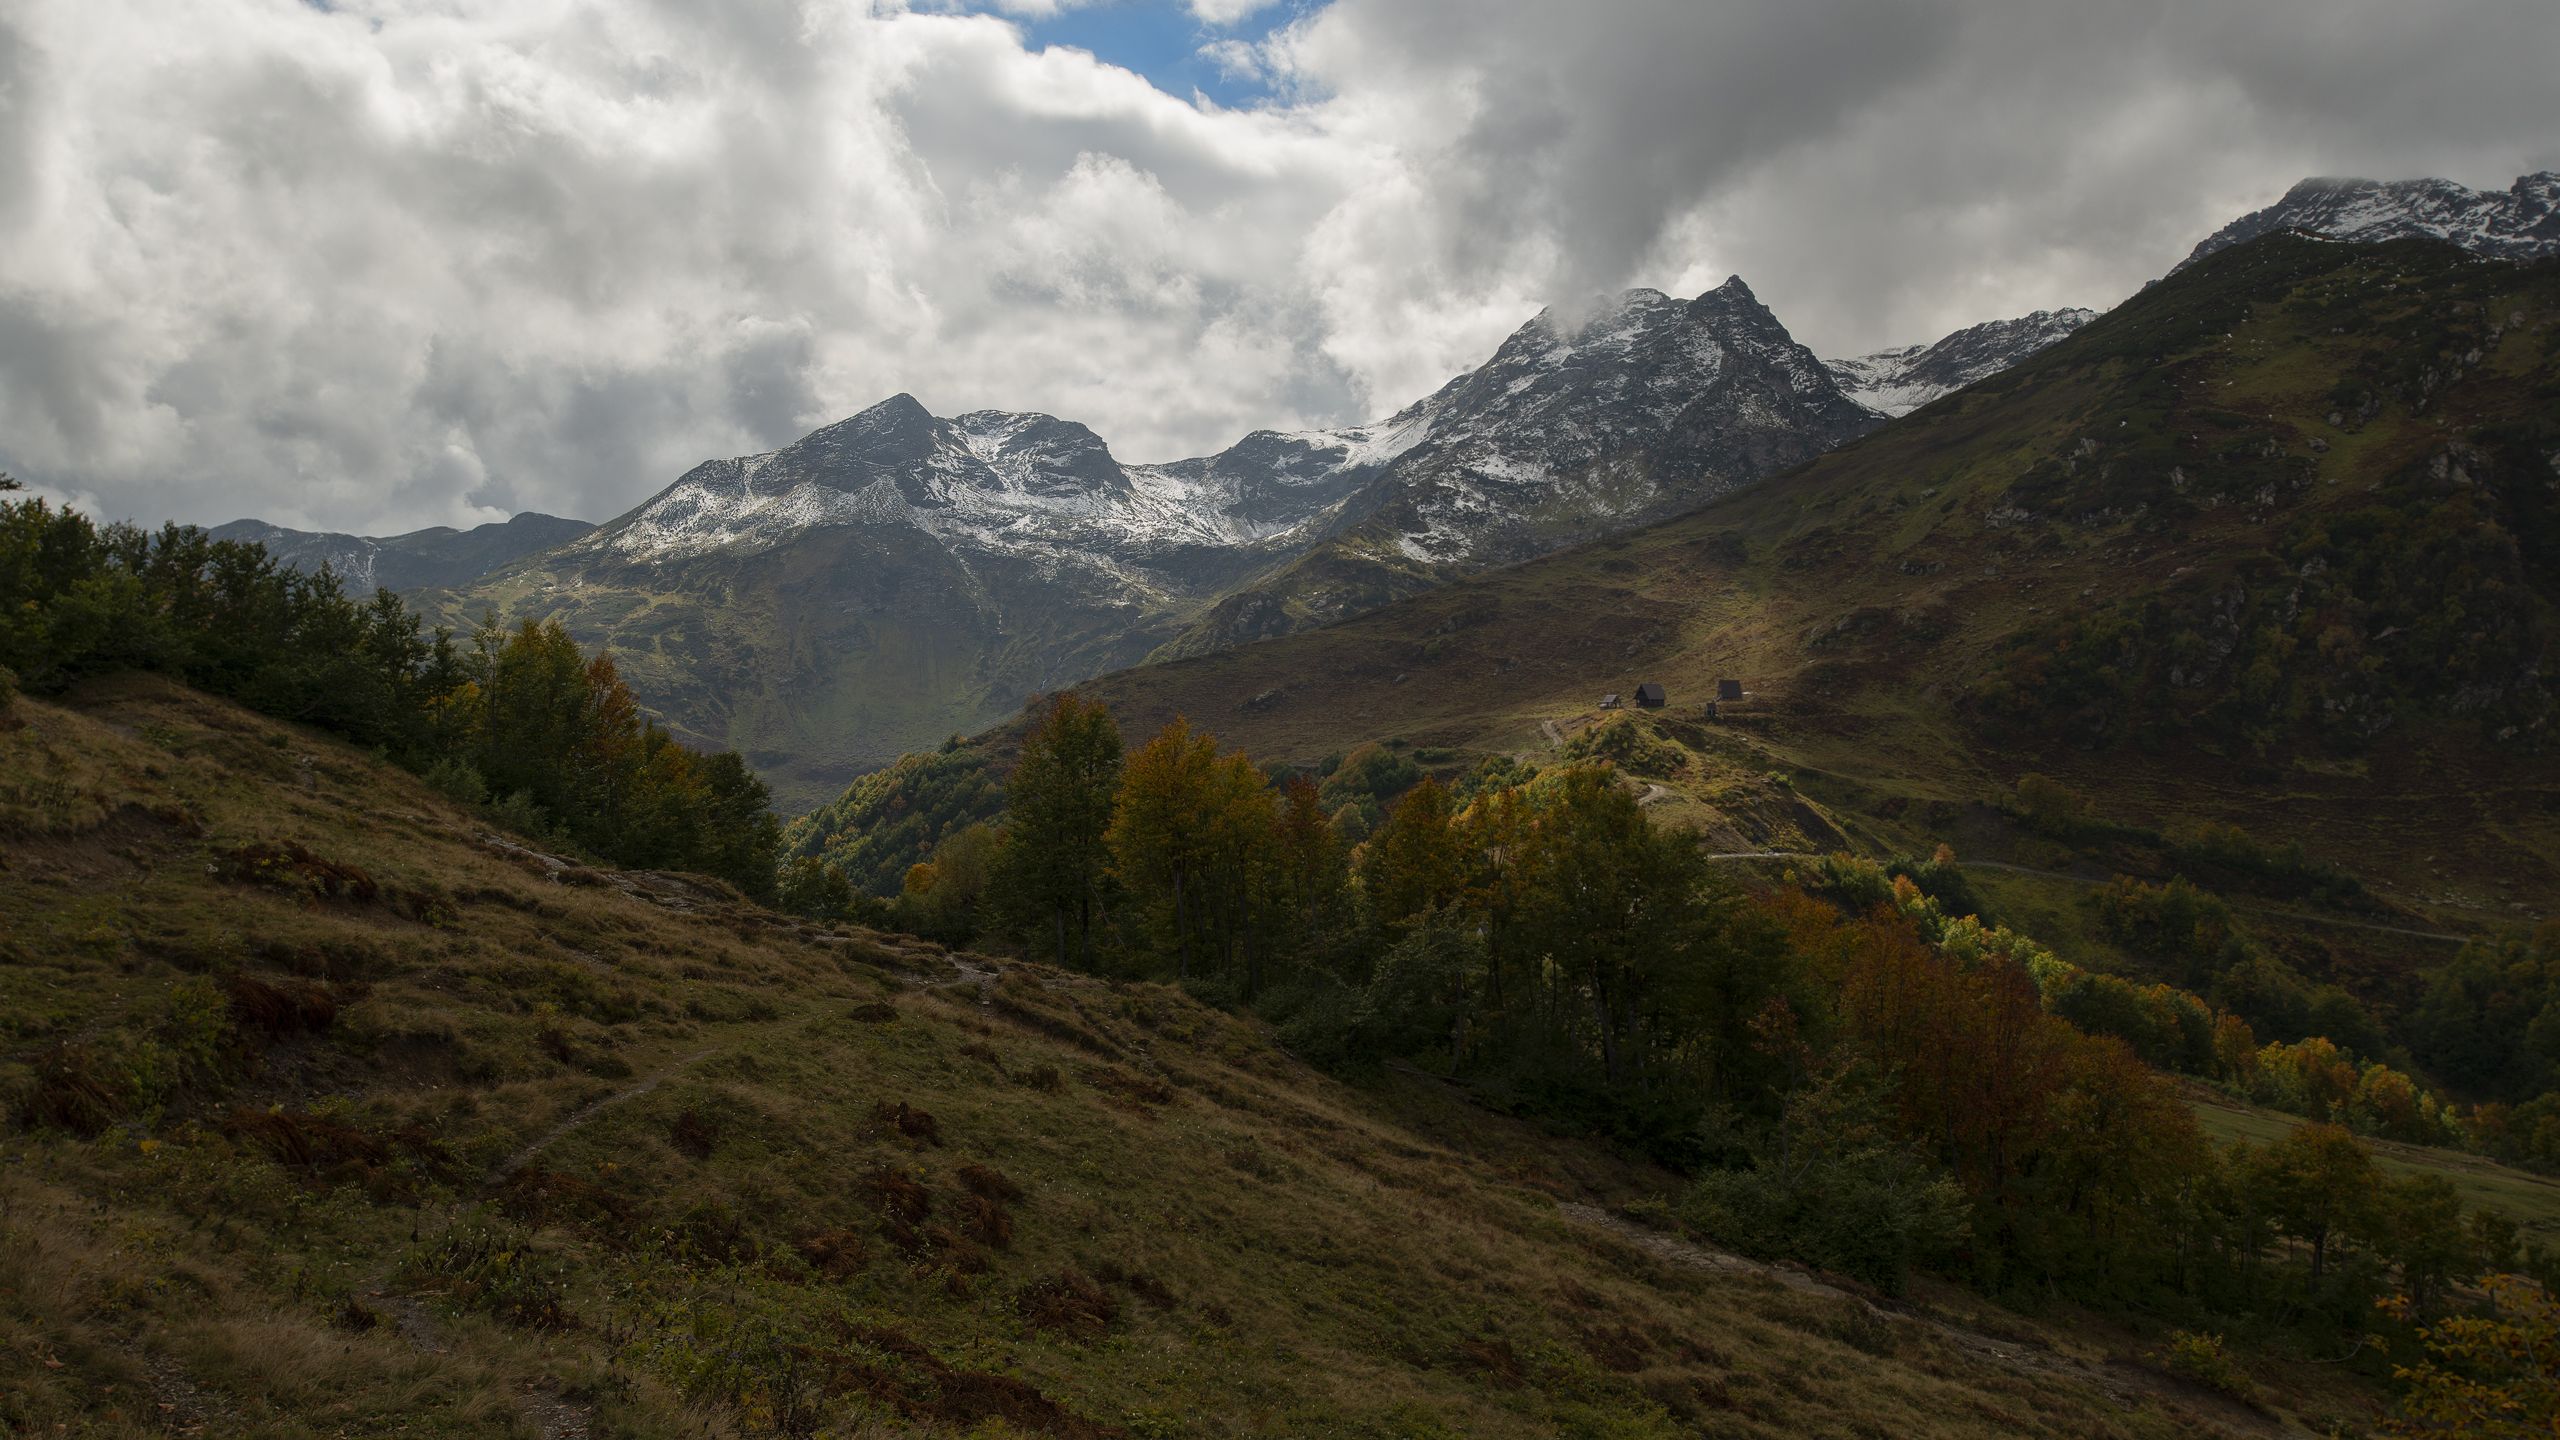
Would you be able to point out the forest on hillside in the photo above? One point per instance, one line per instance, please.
(1854, 1068)
(521, 722)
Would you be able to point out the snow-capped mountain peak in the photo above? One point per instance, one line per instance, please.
(1586, 419)
(1565, 388)
(1898, 381)
(1710, 391)
(1039, 454)
(2521, 222)
(985, 480)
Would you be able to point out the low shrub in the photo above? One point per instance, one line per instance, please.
(1069, 1302)
(73, 1089)
(905, 1119)
(2202, 1359)
(986, 1221)
(693, 1135)
(837, 1254)
(280, 1007)
(289, 865)
(903, 1203)
(536, 1196)
(988, 1182)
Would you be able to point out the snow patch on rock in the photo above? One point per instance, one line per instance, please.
(1898, 381)
(2521, 222)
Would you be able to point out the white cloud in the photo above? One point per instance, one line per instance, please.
(424, 261)
(1239, 60)
(1881, 171)
(1228, 12)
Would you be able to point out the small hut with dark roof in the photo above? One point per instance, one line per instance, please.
(1728, 690)
(1650, 696)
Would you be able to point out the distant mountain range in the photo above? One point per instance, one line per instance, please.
(435, 557)
(898, 577)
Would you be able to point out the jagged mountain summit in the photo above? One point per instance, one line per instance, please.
(435, 557)
(2521, 222)
(1714, 386)
(1898, 381)
(1580, 426)
(897, 576)
(1649, 403)
(997, 484)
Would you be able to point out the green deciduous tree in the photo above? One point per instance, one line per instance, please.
(1619, 910)
(1834, 1183)
(1058, 807)
(1411, 865)
(2317, 1184)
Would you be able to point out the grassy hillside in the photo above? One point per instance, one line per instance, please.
(330, 1113)
(2272, 544)
(2531, 1201)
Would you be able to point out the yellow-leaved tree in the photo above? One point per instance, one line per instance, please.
(2488, 1376)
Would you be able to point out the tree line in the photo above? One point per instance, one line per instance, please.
(2175, 1029)
(522, 721)
(1850, 1075)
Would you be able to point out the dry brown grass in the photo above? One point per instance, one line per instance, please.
(1069, 1302)
(1081, 1252)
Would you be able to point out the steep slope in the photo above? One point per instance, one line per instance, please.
(2275, 543)
(332, 1114)
(1899, 381)
(898, 576)
(1578, 427)
(2519, 223)
(432, 558)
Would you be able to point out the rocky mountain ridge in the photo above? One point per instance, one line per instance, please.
(436, 557)
(1711, 392)
(1030, 486)
(1580, 426)
(2521, 222)
(1716, 380)
(1898, 381)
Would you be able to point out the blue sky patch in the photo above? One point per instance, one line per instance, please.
(1161, 40)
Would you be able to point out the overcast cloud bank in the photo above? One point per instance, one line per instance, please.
(435, 261)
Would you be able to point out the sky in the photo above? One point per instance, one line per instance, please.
(372, 265)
